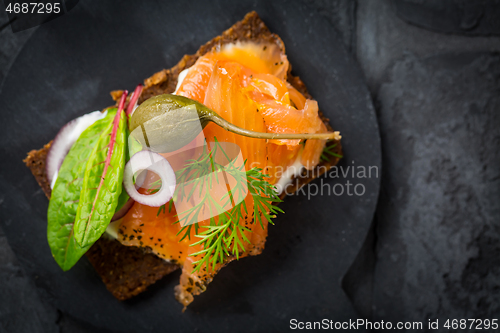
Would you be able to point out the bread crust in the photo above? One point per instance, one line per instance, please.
(126, 270)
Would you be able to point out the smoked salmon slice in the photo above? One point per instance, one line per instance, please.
(245, 83)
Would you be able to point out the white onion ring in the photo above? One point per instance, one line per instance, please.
(146, 160)
(64, 140)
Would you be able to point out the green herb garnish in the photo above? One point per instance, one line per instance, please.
(328, 152)
(225, 236)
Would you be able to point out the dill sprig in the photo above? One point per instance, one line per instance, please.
(225, 234)
(329, 151)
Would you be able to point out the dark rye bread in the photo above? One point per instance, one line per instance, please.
(127, 270)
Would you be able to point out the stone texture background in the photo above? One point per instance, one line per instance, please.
(434, 249)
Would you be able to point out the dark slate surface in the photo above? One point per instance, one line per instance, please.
(434, 251)
(439, 233)
(383, 38)
(473, 18)
(20, 299)
(437, 220)
(11, 44)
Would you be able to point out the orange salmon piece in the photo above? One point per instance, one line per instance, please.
(195, 83)
(143, 228)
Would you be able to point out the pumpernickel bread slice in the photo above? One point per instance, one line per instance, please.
(126, 270)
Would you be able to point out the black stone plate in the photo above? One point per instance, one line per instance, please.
(68, 67)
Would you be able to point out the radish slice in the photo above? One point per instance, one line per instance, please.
(146, 160)
(64, 140)
(121, 213)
